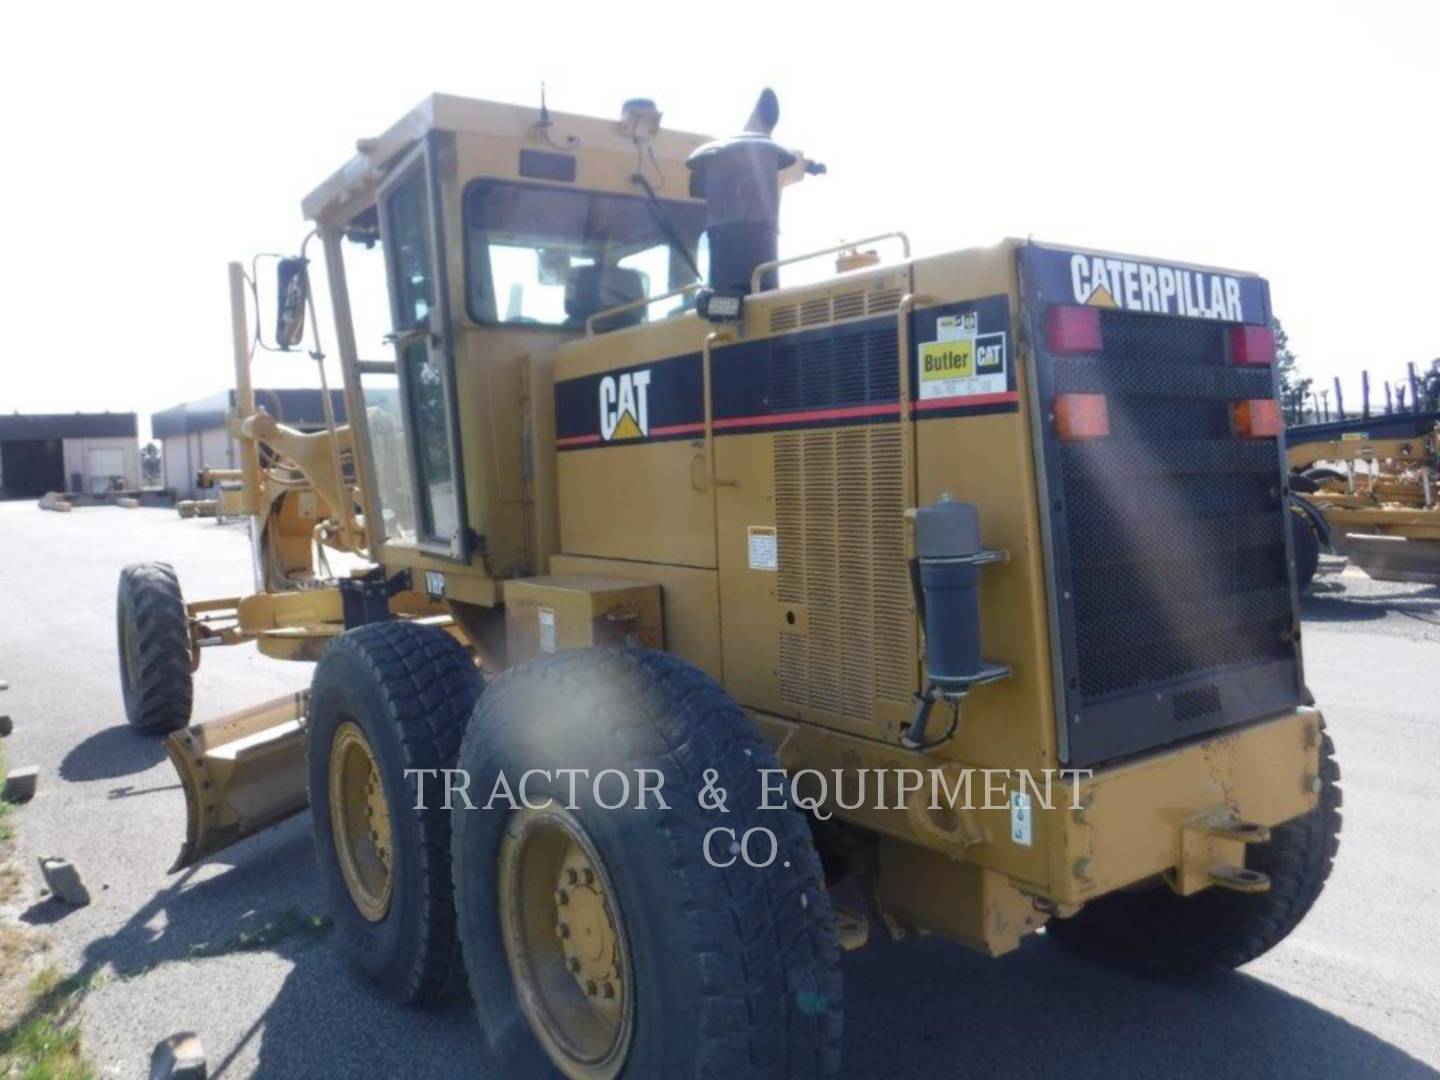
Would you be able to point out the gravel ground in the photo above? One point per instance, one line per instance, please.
(228, 948)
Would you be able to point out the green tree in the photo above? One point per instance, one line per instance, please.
(1294, 387)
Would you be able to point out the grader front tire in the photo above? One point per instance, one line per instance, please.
(602, 942)
(387, 698)
(1159, 934)
(154, 643)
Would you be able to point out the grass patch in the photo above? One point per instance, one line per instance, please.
(7, 830)
(39, 1036)
(44, 1042)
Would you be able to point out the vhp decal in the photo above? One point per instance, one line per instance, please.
(625, 405)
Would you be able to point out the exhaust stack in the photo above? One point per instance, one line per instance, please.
(740, 179)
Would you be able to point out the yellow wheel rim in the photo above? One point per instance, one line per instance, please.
(360, 821)
(566, 944)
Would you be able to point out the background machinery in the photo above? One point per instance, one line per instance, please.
(1365, 487)
(626, 505)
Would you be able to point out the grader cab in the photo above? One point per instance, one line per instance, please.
(958, 586)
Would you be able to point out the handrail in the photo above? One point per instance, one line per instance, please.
(706, 364)
(775, 264)
(633, 304)
(908, 486)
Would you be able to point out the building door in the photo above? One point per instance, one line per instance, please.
(103, 466)
(31, 467)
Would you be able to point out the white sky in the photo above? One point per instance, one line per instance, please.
(148, 144)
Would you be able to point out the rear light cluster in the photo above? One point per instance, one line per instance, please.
(1081, 416)
(1258, 418)
(1075, 331)
(1253, 345)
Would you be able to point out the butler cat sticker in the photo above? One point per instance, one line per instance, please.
(961, 361)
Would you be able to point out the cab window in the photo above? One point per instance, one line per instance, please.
(365, 281)
(420, 356)
(543, 256)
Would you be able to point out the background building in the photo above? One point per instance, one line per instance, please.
(75, 452)
(194, 433)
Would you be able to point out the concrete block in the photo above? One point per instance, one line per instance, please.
(127, 503)
(180, 1057)
(20, 784)
(63, 881)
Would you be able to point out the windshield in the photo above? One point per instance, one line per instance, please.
(554, 256)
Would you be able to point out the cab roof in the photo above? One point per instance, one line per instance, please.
(445, 112)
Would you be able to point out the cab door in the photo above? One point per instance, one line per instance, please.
(424, 353)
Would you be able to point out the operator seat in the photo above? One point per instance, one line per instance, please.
(595, 288)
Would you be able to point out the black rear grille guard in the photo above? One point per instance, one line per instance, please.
(1173, 611)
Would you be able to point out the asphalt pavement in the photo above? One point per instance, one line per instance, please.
(231, 949)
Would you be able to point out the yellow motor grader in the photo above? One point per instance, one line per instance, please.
(1381, 511)
(960, 586)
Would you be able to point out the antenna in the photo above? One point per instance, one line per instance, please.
(544, 124)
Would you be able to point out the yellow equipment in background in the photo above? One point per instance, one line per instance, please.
(1381, 511)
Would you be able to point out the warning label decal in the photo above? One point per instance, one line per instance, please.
(762, 548)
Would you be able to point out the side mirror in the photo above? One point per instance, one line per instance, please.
(293, 287)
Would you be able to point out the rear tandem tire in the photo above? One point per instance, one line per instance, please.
(154, 644)
(1160, 934)
(706, 970)
(398, 694)
(1306, 543)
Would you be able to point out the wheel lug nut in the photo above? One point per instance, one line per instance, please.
(571, 877)
(591, 989)
(589, 876)
(563, 930)
(575, 965)
(562, 897)
(609, 989)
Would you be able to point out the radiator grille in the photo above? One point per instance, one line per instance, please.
(1174, 527)
(826, 367)
(816, 311)
(883, 300)
(784, 318)
(839, 518)
(820, 310)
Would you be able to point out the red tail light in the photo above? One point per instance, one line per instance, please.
(1081, 416)
(1258, 418)
(1074, 330)
(1252, 345)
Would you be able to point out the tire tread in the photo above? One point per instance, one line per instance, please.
(763, 941)
(162, 698)
(1162, 935)
(428, 685)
